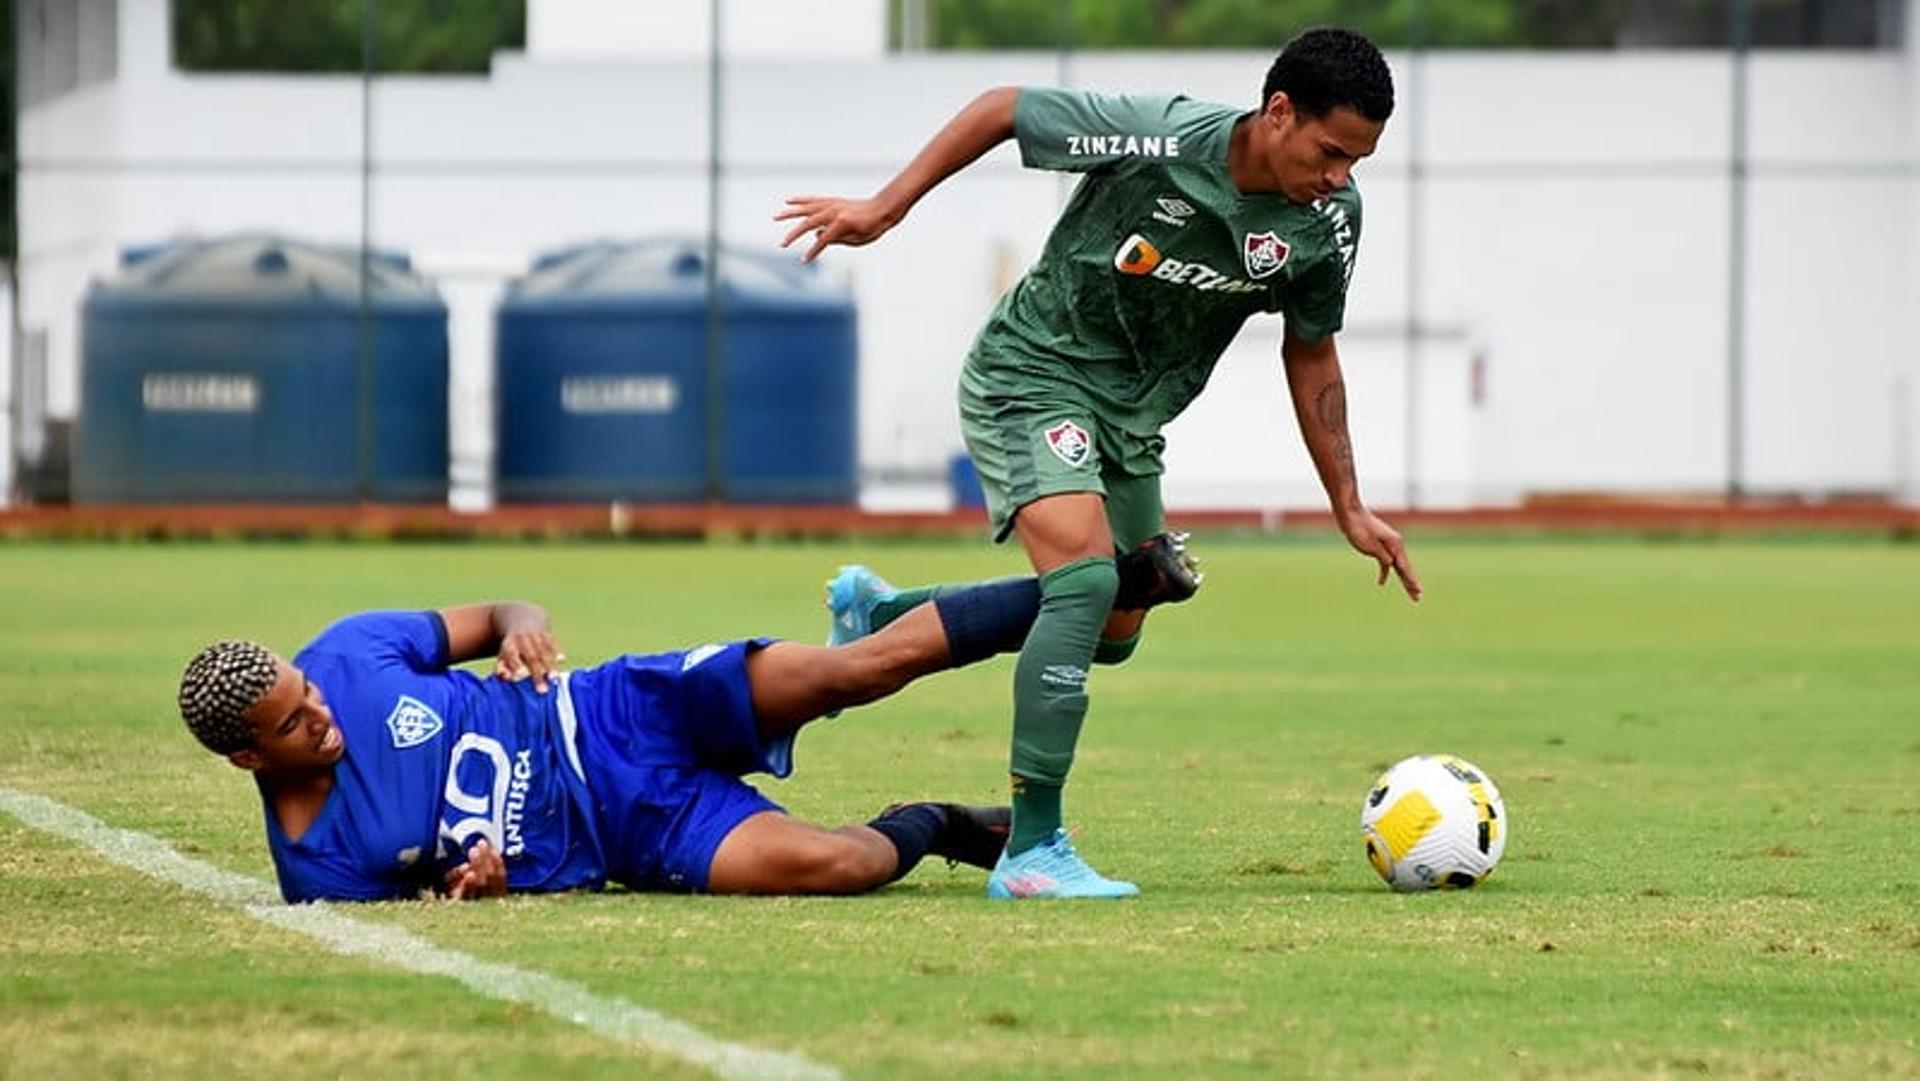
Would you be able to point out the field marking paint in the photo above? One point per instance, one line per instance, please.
(614, 1018)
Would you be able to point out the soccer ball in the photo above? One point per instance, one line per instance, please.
(1434, 821)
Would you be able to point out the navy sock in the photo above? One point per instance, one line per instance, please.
(913, 828)
(988, 619)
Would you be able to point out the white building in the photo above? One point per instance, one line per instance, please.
(1573, 230)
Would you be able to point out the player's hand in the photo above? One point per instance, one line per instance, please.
(483, 875)
(1373, 537)
(852, 222)
(532, 654)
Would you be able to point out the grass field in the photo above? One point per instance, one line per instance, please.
(1710, 753)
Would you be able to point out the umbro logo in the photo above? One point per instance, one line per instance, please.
(1064, 675)
(1174, 212)
(412, 723)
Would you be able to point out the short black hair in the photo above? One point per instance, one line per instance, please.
(1326, 68)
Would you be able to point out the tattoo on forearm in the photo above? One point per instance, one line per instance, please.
(1331, 406)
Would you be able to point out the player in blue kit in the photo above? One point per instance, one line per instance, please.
(385, 772)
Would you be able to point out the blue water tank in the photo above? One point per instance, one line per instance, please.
(603, 378)
(229, 370)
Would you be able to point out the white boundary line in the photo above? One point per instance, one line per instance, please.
(613, 1018)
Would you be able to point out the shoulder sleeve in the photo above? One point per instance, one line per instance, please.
(320, 867)
(1079, 131)
(416, 639)
(1316, 305)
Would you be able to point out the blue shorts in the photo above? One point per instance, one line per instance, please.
(664, 740)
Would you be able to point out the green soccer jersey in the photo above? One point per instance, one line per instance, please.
(1158, 258)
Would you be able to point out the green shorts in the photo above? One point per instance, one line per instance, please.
(1046, 439)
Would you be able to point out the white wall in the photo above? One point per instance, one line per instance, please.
(6, 394)
(1831, 330)
(1908, 455)
(820, 29)
(1574, 236)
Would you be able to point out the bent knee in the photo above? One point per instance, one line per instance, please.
(770, 853)
(838, 863)
(1091, 583)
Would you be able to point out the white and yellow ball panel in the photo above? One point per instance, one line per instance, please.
(1434, 822)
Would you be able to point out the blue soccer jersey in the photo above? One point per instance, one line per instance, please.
(436, 759)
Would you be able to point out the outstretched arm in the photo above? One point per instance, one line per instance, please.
(517, 634)
(1320, 404)
(985, 123)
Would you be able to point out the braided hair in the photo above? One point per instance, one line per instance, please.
(220, 685)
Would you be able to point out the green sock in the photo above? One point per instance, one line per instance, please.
(888, 609)
(1034, 804)
(1050, 692)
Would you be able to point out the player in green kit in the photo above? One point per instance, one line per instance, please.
(1190, 218)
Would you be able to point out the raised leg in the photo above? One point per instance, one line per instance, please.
(794, 683)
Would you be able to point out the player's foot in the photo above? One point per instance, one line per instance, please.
(1159, 571)
(1051, 869)
(851, 597)
(972, 835)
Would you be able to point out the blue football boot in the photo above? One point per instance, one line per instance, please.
(1051, 869)
(851, 597)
